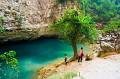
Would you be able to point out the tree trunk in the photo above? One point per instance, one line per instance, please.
(74, 46)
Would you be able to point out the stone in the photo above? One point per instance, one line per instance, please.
(36, 15)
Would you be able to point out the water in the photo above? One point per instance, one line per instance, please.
(34, 54)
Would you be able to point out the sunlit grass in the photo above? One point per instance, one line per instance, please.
(66, 75)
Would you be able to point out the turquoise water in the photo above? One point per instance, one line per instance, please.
(34, 54)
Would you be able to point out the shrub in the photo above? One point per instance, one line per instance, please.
(8, 65)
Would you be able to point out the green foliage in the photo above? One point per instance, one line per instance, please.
(9, 65)
(112, 26)
(101, 10)
(64, 1)
(73, 25)
(61, 1)
(9, 59)
(84, 5)
(1, 24)
(2, 29)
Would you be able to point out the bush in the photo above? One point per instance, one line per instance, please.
(8, 65)
(2, 29)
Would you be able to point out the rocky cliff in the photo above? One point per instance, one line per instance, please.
(30, 14)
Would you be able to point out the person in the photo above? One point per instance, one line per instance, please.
(80, 55)
(65, 59)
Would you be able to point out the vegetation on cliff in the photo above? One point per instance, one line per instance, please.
(1, 24)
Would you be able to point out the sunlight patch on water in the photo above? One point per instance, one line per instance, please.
(30, 65)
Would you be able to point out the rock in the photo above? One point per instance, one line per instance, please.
(118, 48)
(30, 14)
(88, 57)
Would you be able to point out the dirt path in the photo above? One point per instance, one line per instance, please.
(98, 68)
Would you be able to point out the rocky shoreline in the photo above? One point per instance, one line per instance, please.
(60, 67)
(48, 70)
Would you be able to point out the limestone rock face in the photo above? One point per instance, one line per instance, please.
(34, 13)
(110, 43)
(30, 15)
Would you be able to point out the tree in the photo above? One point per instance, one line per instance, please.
(101, 10)
(64, 1)
(112, 26)
(84, 4)
(74, 26)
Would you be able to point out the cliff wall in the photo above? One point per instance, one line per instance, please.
(29, 16)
